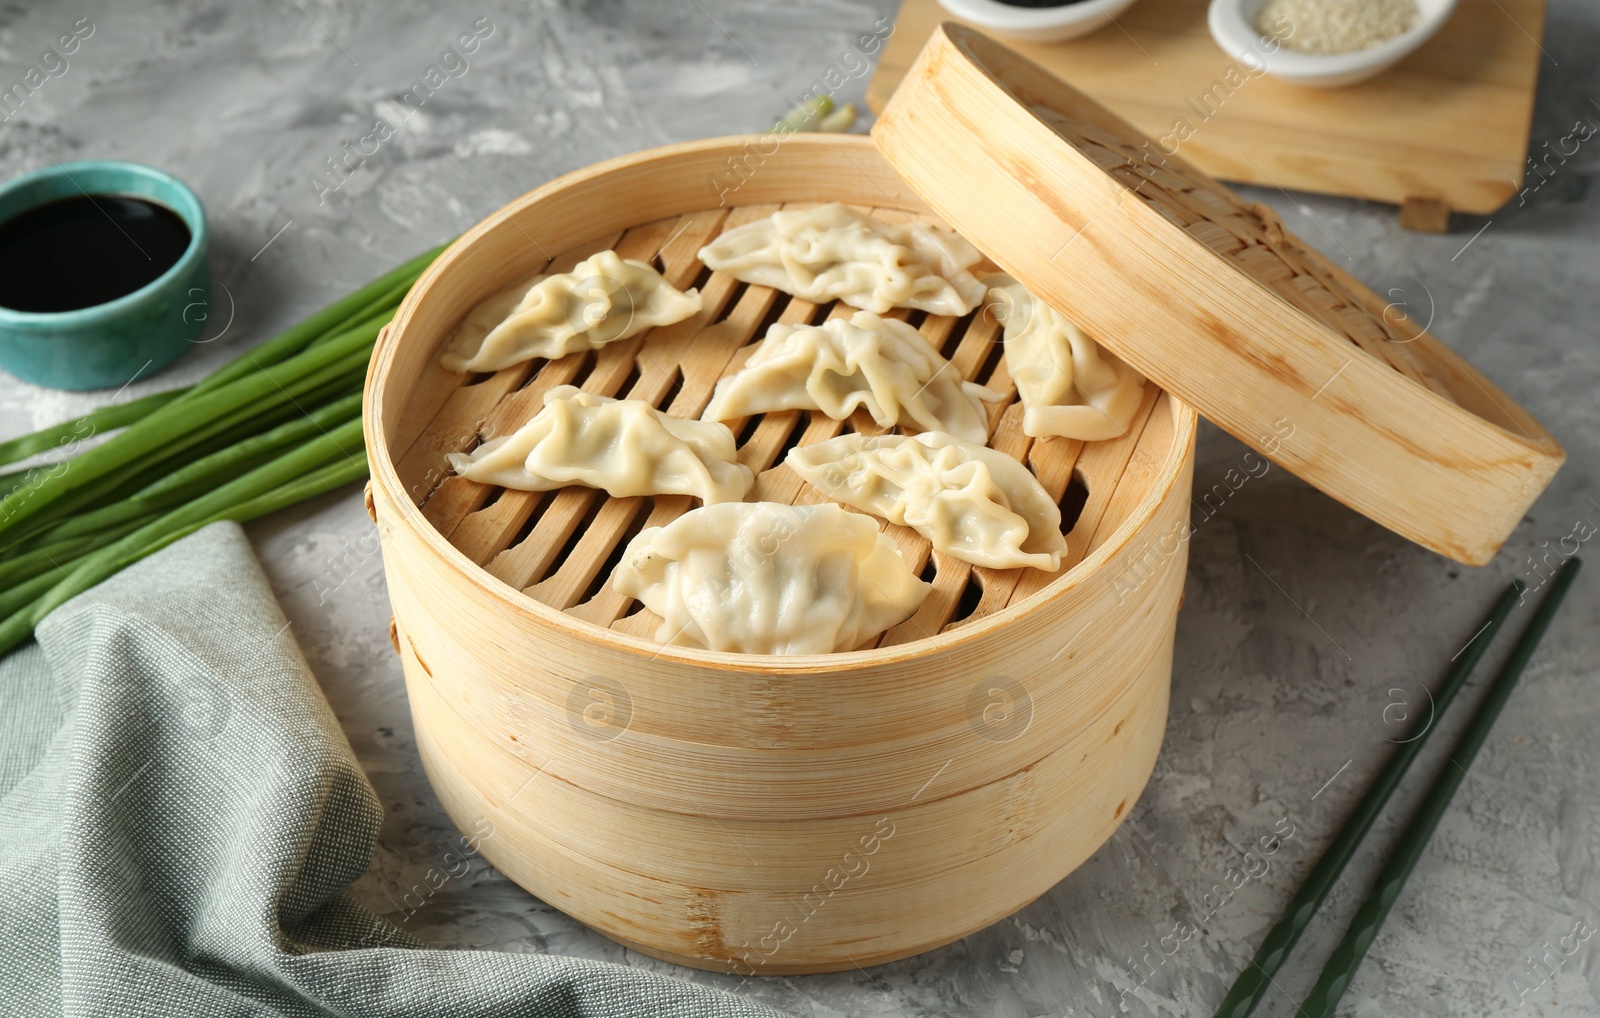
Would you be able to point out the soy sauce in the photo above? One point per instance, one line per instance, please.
(86, 250)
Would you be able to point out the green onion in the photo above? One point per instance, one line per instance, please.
(334, 318)
(59, 551)
(180, 424)
(193, 479)
(107, 472)
(222, 502)
(14, 599)
(332, 415)
(378, 299)
(839, 121)
(804, 115)
(95, 422)
(275, 426)
(323, 479)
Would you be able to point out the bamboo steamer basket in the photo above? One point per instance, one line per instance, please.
(845, 809)
(755, 814)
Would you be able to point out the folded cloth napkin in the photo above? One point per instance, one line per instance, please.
(180, 815)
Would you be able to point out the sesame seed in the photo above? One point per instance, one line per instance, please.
(1335, 26)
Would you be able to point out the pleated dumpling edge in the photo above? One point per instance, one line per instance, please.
(770, 578)
(624, 447)
(832, 252)
(605, 298)
(878, 364)
(971, 502)
(1070, 386)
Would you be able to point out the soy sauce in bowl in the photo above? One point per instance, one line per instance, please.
(84, 250)
(103, 273)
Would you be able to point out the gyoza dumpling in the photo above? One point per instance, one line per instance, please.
(833, 252)
(622, 446)
(603, 299)
(881, 364)
(768, 578)
(969, 501)
(1069, 386)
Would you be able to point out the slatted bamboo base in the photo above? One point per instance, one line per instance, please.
(561, 547)
(720, 809)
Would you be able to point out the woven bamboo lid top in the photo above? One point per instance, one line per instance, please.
(1208, 295)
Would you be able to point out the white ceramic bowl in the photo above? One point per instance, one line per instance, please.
(1233, 23)
(1038, 24)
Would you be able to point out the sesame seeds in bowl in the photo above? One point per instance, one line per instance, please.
(1340, 26)
(1325, 43)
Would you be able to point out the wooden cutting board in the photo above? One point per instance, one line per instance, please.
(1444, 130)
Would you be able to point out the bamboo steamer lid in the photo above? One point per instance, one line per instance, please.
(1209, 296)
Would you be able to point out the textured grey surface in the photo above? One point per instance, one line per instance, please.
(1301, 617)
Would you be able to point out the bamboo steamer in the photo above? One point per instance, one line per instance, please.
(778, 815)
(734, 812)
(1211, 297)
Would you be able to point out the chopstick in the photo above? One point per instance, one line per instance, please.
(1253, 981)
(1341, 967)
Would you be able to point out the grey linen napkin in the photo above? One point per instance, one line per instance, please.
(180, 815)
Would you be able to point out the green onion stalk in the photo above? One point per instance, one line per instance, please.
(279, 424)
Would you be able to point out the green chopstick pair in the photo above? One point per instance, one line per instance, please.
(1253, 982)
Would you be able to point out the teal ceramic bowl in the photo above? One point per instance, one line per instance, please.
(108, 344)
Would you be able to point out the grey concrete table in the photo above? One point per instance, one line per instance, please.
(1304, 623)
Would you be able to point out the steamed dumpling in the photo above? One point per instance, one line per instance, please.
(603, 299)
(833, 252)
(969, 501)
(1069, 386)
(622, 446)
(768, 578)
(881, 364)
